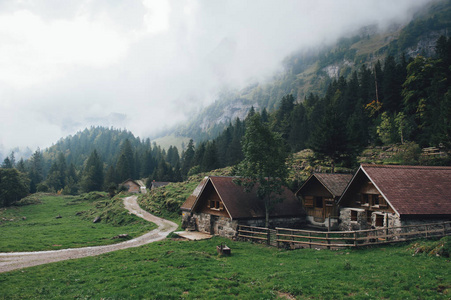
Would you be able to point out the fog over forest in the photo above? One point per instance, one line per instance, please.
(147, 65)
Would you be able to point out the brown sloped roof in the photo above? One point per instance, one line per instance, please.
(413, 190)
(335, 183)
(131, 180)
(157, 184)
(242, 205)
(189, 202)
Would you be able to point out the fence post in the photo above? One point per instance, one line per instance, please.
(426, 228)
(386, 227)
(327, 239)
(310, 240)
(355, 238)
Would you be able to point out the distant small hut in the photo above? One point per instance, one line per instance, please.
(157, 184)
(134, 186)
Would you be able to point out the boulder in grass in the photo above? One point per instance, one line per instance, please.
(96, 220)
(121, 236)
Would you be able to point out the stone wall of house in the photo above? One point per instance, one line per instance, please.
(226, 227)
(346, 222)
(203, 222)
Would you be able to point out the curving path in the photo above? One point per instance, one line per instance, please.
(19, 260)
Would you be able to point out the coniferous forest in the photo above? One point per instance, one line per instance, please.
(398, 100)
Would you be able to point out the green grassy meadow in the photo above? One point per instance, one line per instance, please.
(175, 269)
(36, 227)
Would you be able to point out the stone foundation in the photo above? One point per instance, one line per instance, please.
(226, 227)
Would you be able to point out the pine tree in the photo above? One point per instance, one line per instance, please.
(71, 187)
(21, 166)
(35, 173)
(92, 179)
(125, 164)
(210, 158)
(188, 158)
(7, 163)
(330, 140)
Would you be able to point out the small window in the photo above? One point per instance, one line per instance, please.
(379, 220)
(308, 201)
(319, 202)
(375, 199)
(364, 199)
(353, 215)
(216, 205)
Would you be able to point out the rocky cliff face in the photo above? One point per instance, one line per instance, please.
(230, 112)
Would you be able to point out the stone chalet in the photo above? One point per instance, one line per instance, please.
(319, 195)
(386, 195)
(218, 205)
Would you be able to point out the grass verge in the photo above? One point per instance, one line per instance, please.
(50, 222)
(173, 269)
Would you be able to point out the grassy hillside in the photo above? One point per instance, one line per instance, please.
(172, 140)
(175, 269)
(50, 222)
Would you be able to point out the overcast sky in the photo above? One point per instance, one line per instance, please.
(145, 65)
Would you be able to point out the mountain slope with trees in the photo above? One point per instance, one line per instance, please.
(311, 71)
(402, 97)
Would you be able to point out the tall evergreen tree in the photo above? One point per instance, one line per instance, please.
(35, 174)
(188, 158)
(92, 179)
(7, 163)
(125, 164)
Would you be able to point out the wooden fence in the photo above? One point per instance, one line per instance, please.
(295, 238)
(255, 234)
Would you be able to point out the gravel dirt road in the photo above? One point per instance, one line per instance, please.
(18, 260)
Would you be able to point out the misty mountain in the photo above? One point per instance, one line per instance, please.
(310, 71)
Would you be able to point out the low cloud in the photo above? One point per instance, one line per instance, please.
(146, 65)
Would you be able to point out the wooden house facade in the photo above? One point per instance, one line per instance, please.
(387, 196)
(319, 195)
(218, 205)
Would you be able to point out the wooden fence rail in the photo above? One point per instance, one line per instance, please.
(255, 234)
(295, 238)
(335, 239)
